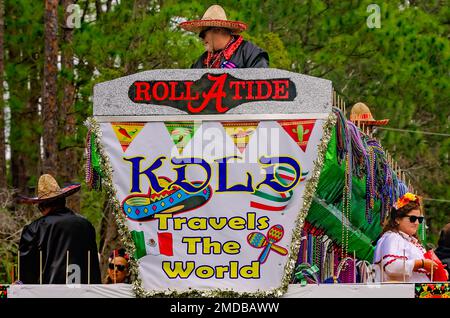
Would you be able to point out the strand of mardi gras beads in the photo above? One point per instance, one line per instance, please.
(314, 260)
(345, 209)
(319, 254)
(88, 168)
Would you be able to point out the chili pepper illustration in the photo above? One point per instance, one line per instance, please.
(124, 132)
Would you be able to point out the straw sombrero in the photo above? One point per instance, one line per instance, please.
(214, 16)
(48, 190)
(361, 113)
(143, 207)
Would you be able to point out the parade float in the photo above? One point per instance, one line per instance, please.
(238, 182)
(244, 182)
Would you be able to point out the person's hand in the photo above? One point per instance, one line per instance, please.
(428, 264)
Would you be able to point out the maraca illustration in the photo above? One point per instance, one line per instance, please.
(259, 240)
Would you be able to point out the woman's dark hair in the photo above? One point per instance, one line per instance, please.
(391, 223)
(121, 253)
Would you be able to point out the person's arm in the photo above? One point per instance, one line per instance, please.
(199, 62)
(253, 56)
(396, 266)
(29, 256)
(425, 264)
(260, 61)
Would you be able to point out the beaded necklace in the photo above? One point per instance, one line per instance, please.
(317, 254)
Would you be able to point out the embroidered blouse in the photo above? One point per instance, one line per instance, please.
(396, 253)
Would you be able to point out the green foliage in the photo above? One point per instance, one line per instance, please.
(92, 206)
(279, 57)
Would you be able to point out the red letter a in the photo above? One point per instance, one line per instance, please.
(216, 92)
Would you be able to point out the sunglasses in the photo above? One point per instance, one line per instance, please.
(413, 218)
(120, 268)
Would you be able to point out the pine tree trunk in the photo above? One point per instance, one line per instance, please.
(68, 155)
(109, 236)
(49, 100)
(139, 12)
(3, 183)
(98, 9)
(24, 127)
(108, 5)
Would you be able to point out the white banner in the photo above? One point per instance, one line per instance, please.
(212, 205)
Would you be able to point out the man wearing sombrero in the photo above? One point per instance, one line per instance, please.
(57, 239)
(225, 48)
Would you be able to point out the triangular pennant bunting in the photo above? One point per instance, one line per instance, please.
(126, 132)
(240, 132)
(299, 130)
(181, 132)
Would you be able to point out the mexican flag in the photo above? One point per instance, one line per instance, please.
(147, 244)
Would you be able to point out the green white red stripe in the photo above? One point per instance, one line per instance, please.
(269, 200)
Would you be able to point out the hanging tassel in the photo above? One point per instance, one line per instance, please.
(88, 168)
(367, 158)
(93, 169)
(345, 271)
(309, 250)
(305, 272)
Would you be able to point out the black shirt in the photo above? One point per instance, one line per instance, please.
(246, 55)
(54, 234)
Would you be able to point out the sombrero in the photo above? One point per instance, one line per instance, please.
(214, 16)
(143, 207)
(361, 113)
(48, 190)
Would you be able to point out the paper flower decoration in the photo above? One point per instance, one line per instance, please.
(405, 199)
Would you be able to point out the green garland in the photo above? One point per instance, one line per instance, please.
(107, 172)
(128, 243)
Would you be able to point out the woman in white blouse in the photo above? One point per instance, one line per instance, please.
(399, 254)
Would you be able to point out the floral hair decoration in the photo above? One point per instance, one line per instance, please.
(405, 199)
(119, 252)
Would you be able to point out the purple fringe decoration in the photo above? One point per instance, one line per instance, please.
(402, 189)
(367, 158)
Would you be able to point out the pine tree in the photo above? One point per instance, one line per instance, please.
(49, 94)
